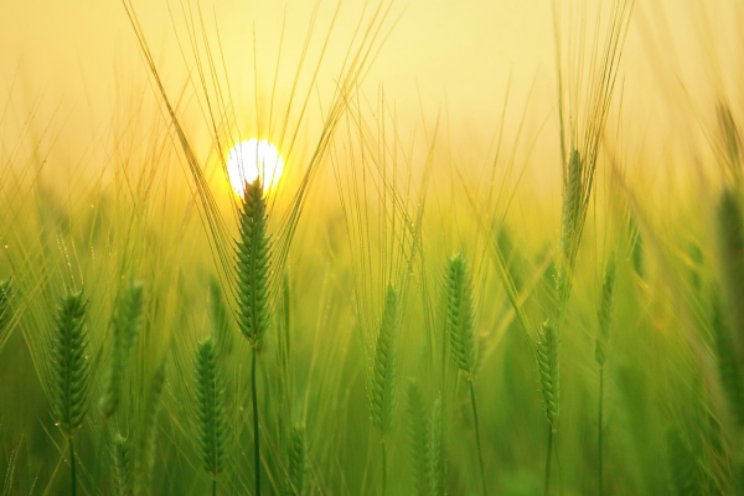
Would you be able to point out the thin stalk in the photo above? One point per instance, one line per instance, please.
(599, 431)
(256, 443)
(477, 437)
(547, 460)
(384, 467)
(73, 478)
(214, 486)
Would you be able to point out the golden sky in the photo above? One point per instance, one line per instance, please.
(76, 64)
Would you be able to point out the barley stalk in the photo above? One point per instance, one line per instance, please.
(252, 274)
(210, 412)
(147, 445)
(604, 318)
(418, 439)
(548, 367)
(122, 466)
(297, 460)
(126, 325)
(462, 338)
(382, 394)
(70, 371)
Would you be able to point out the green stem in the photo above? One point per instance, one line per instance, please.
(599, 431)
(73, 478)
(477, 437)
(384, 467)
(256, 443)
(547, 460)
(214, 486)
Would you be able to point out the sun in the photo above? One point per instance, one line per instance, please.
(254, 158)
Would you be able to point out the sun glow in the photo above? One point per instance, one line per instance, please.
(251, 159)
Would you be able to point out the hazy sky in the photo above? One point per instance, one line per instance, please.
(76, 63)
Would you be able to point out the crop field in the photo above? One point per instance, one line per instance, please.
(372, 248)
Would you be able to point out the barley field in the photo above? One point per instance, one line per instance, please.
(391, 248)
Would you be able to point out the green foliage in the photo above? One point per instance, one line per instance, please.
(731, 138)
(220, 319)
(604, 316)
(731, 253)
(6, 312)
(382, 397)
(683, 465)
(436, 463)
(460, 315)
(253, 266)
(572, 198)
(69, 364)
(636, 247)
(210, 412)
(729, 370)
(125, 324)
(147, 440)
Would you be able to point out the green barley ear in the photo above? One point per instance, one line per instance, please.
(418, 438)
(548, 367)
(605, 311)
(146, 447)
(125, 323)
(571, 206)
(6, 292)
(460, 314)
(122, 466)
(731, 255)
(222, 332)
(253, 266)
(383, 378)
(69, 362)
(297, 460)
(210, 409)
(729, 371)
